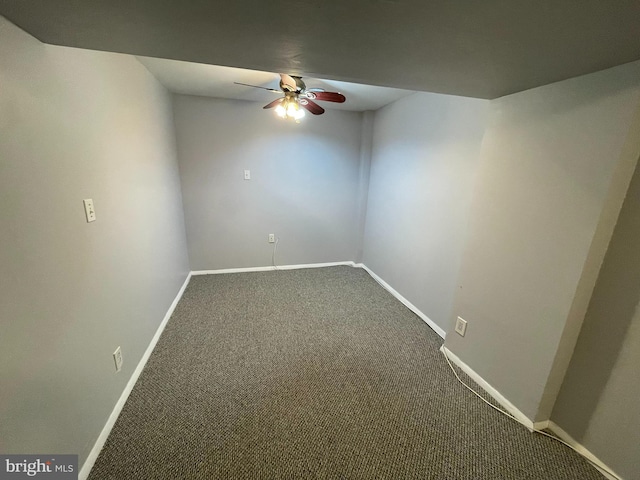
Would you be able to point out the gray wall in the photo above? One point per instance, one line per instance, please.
(425, 154)
(598, 403)
(553, 171)
(304, 184)
(547, 181)
(366, 146)
(79, 124)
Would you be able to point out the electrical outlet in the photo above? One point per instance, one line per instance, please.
(247, 174)
(272, 238)
(461, 326)
(117, 358)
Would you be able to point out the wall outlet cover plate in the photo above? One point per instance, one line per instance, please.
(461, 326)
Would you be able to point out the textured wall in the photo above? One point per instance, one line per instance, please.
(79, 124)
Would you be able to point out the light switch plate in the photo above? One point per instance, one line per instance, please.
(89, 211)
(117, 359)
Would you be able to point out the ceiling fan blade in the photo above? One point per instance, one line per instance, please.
(330, 97)
(275, 103)
(315, 89)
(288, 83)
(313, 107)
(256, 86)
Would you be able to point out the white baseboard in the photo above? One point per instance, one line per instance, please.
(522, 418)
(404, 301)
(106, 430)
(267, 269)
(578, 447)
(384, 284)
(543, 425)
(495, 394)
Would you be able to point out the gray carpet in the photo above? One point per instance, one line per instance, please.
(313, 374)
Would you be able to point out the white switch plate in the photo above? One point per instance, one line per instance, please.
(89, 210)
(461, 326)
(272, 238)
(247, 174)
(117, 358)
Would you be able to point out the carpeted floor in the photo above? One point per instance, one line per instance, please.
(312, 374)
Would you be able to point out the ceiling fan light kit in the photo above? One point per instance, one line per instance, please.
(297, 95)
(289, 107)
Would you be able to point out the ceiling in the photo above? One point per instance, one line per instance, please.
(482, 49)
(216, 81)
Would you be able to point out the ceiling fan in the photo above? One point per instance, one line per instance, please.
(296, 95)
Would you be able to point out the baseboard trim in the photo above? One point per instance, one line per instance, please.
(384, 284)
(582, 450)
(403, 300)
(543, 425)
(271, 268)
(522, 418)
(495, 394)
(106, 430)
